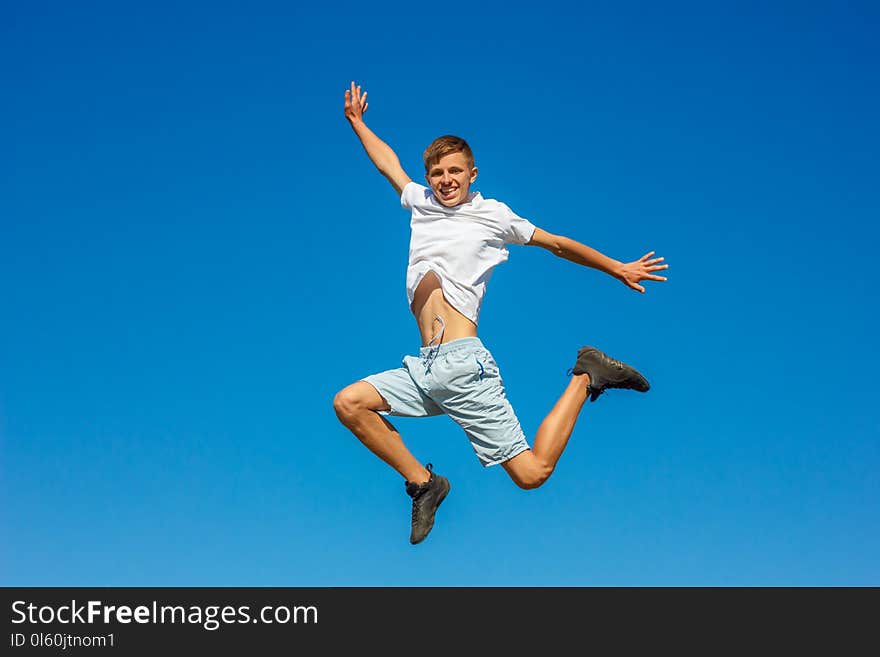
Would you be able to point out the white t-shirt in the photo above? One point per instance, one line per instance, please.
(461, 245)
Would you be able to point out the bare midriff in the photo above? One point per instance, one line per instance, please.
(429, 304)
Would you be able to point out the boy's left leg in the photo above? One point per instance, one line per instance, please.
(532, 468)
(593, 373)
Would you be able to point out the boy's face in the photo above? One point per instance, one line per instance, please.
(451, 178)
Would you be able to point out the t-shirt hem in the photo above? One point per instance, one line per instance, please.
(446, 297)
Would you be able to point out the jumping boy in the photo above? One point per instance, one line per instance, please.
(457, 239)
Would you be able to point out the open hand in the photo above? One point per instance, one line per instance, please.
(355, 103)
(632, 273)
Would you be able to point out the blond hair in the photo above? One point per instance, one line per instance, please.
(443, 146)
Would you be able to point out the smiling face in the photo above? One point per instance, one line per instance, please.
(450, 178)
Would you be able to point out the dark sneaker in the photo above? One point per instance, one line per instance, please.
(426, 498)
(605, 372)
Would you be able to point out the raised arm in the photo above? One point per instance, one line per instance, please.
(380, 153)
(629, 273)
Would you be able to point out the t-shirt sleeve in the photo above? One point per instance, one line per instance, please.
(518, 230)
(412, 194)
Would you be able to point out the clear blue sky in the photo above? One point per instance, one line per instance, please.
(196, 254)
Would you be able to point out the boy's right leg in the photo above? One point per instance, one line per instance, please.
(357, 408)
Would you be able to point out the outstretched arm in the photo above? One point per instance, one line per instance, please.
(629, 273)
(380, 153)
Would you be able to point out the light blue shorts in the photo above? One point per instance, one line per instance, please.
(459, 378)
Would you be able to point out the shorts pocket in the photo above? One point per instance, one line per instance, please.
(481, 369)
(487, 368)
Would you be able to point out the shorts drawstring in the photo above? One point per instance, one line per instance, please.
(434, 348)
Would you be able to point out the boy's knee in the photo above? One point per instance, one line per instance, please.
(532, 478)
(531, 483)
(354, 399)
(347, 403)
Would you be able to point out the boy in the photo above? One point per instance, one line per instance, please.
(457, 238)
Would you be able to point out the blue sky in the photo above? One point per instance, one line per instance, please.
(196, 254)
